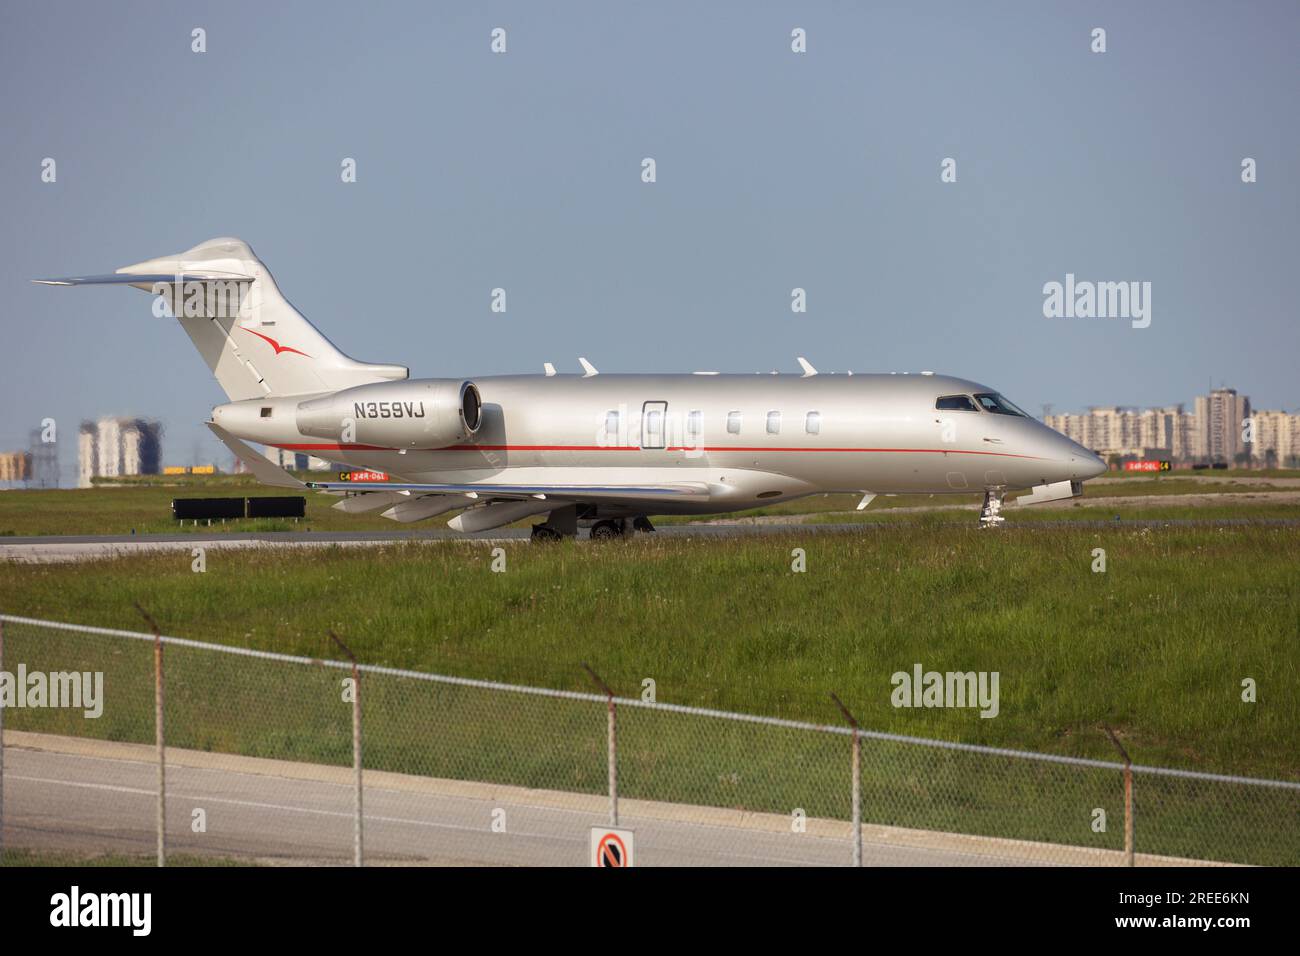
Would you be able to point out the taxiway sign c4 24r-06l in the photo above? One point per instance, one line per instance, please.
(599, 450)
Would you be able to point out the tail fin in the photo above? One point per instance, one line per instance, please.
(254, 341)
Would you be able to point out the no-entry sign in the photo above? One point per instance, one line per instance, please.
(611, 847)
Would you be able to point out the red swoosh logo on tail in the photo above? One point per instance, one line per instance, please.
(276, 345)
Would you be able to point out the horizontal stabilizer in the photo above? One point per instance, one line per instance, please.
(150, 279)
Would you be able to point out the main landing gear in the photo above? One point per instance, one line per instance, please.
(563, 523)
(611, 529)
(560, 523)
(991, 513)
(608, 529)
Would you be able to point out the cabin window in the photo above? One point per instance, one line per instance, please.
(813, 423)
(694, 423)
(774, 423)
(955, 403)
(266, 412)
(733, 423)
(611, 423)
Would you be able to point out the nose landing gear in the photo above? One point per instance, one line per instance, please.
(991, 512)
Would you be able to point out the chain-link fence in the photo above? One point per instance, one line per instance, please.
(260, 765)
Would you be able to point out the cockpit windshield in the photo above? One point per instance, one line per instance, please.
(962, 403)
(995, 403)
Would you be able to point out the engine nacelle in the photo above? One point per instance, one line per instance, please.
(428, 413)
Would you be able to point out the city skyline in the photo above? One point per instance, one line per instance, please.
(1223, 427)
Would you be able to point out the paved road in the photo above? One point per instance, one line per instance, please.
(96, 796)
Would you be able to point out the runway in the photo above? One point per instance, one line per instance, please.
(67, 548)
(83, 796)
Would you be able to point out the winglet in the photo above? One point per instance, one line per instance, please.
(588, 369)
(808, 370)
(263, 469)
(548, 368)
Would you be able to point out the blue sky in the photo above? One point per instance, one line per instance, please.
(775, 170)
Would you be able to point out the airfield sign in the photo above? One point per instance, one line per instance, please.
(611, 847)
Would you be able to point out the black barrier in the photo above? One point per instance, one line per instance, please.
(278, 506)
(199, 508)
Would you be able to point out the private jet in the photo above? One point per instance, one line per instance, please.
(600, 451)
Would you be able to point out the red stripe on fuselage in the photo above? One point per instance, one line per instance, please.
(717, 448)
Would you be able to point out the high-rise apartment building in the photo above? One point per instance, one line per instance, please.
(113, 447)
(1220, 418)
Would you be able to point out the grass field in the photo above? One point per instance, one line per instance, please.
(1157, 644)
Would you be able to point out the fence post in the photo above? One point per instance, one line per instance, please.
(1129, 851)
(613, 746)
(356, 749)
(857, 782)
(158, 736)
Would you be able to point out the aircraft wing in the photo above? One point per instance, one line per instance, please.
(687, 489)
(263, 469)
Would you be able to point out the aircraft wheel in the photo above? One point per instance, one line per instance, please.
(642, 523)
(606, 530)
(542, 532)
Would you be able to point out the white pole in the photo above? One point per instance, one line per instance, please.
(613, 765)
(162, 750)
(857, 798)
(856, 778)
(356, 760)
(357, 820)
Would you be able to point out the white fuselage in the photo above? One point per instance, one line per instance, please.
(758, 438)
